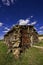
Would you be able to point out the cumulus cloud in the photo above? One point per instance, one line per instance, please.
(27, 21)
(41, 27)
(1, 24)
(24, 22)
(8, 2)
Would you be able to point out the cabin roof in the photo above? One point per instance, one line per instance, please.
(18, 26)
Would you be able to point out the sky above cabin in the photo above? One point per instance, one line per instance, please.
(22, 12)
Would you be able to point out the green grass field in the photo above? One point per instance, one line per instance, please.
(32, 56)
(39, 44)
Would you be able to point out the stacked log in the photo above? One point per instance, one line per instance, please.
(19, 38)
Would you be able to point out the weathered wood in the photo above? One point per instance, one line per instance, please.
(20, 37)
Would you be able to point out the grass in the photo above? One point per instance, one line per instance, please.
(39, 44)
(32, 56)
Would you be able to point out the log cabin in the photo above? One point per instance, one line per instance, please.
(20, 37)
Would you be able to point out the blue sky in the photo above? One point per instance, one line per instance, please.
(24, 12)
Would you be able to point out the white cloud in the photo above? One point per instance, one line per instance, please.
(40, 32)
(8, 2)
(1, 24)
(35, 28)
(41, 27)
(31, 16)
(33, 23)
(6, 29)
(28, 24)
(24, 22)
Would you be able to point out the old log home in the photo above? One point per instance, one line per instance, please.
(20, 37)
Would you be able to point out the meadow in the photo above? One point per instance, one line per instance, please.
(39, 44)
(32, 56)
